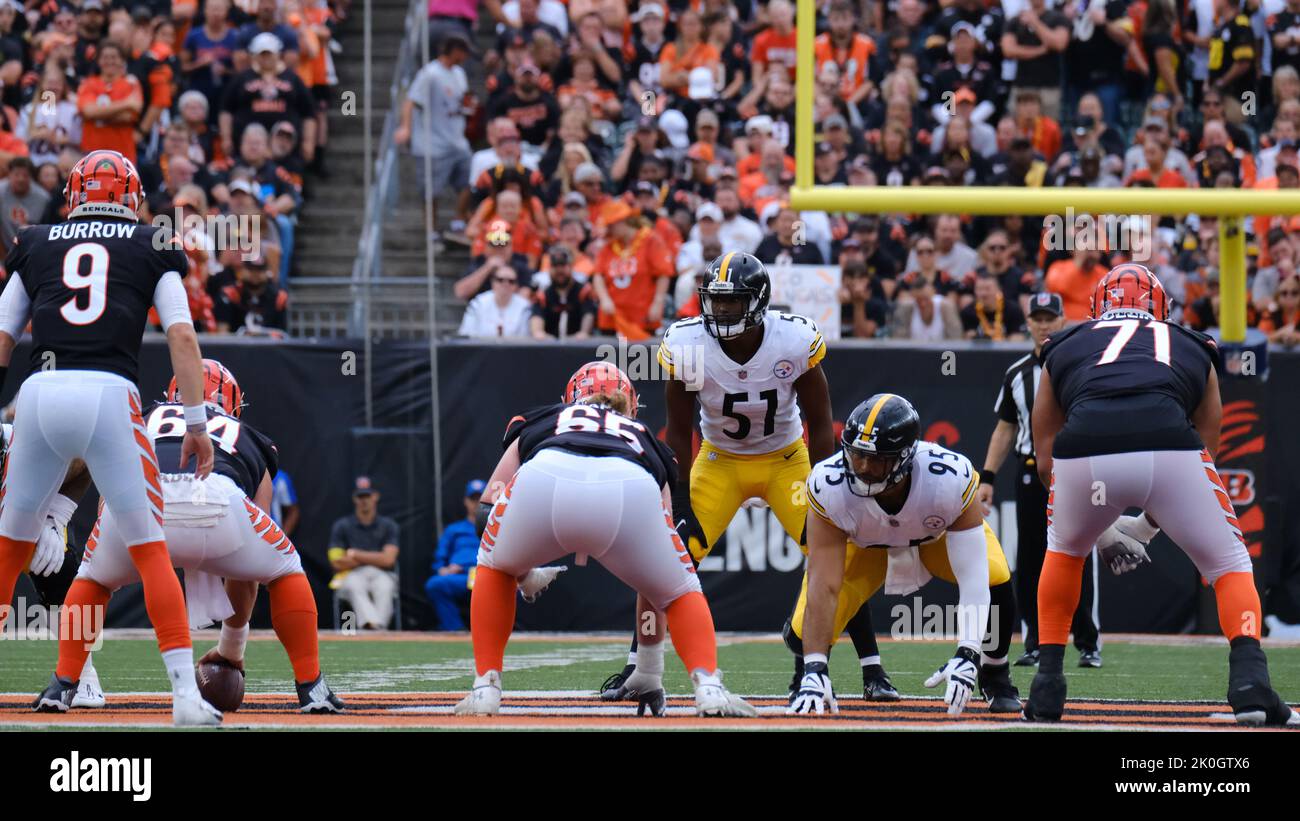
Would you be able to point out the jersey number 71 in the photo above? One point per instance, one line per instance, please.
(1129, 327)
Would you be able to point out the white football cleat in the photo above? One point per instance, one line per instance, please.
(537, 580)
(485, 698)
(89, 693)
(712, 699)
(193, 711)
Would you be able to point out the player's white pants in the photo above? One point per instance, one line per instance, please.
(88, 415)
(225, 535)
(599, 506)
(1180, 489)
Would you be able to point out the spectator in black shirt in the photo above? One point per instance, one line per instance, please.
(780, 245)
(254, 304)
(267, 21)
(565, 309)
(1035, 39)
(533, 110)
(266, 94)
(1094, 60)
(1232, 62)
(862, 311)
(363, 551)
(1016, 283)
(529, 24)
(992, 315)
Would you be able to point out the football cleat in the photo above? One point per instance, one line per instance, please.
(1258, 706)
(714, 700)
(609, 691)
(89, 694)
(1029, 659)
(193, 711)
(997, 689)
(537, 580)
(1046, 697)
(1090, 659)
(485, 698)
(876, 685)
(317, 698)
(56, 697)
(646, 690)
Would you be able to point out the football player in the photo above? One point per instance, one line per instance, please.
(891, 498)
(86, 286)
(583, 476)
(216, 527)
(753, 371)
(1128, 405)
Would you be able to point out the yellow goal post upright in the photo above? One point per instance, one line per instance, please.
(1230, 206)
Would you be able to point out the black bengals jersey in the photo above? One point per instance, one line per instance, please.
(1128, 383)
(239, 451)
(91, 284)
(591, 431)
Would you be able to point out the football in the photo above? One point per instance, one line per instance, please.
(221, 685)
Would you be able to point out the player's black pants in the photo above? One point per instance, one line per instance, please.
(1031, 527)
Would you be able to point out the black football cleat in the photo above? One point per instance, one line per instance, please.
(1090, 659)
(317, 698)
(997, 689)
(1046, 697)
(1029, 659)
(1259, 706)
(612, 689)
(56, 697)
(876, 685)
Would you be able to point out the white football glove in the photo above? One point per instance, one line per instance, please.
(52, 542)
(815, 694)
(960, 672)
(1123, 545)
(537, 580)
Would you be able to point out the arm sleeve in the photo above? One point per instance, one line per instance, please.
(171, 301)
(15, 307)
(968, 558)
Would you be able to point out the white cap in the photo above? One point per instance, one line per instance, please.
(266, 41)
(673, 123)
(702, 86)
(762, 122)
(709, 210)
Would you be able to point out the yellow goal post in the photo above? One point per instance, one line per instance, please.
(1230, 206)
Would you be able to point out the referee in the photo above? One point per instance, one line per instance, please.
(1014, 405)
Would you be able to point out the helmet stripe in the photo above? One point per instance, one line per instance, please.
(871, 417)
(722, 269)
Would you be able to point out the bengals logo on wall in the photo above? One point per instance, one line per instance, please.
(1240, 485)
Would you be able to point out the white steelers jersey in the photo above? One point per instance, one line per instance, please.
(943, 484)
(748, 408)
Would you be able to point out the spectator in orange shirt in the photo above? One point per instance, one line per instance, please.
(647, 198)
(848, 50)
(776, 47)
(1074, 279)
(765, 181)
(690, 50)
(758, 133)
(633, 270)
(1157, 173)
(507, 206)
(1041, 130)
(110, 104)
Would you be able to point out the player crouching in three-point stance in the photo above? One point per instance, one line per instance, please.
(583, 476)
(87, 286)
(216, 527)
(1128, 415)
(889, 498)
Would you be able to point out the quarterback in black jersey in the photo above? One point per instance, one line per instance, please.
(86, 286)
(1128, 415)
(585, 477)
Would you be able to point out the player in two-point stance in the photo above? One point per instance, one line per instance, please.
(753, 371)
(1128, 415)
(583, 476)
(216, 527)
(86, 286)
(888, 497)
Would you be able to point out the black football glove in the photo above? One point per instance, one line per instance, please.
(688, 527)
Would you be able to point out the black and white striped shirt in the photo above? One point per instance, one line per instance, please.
(1016, 400)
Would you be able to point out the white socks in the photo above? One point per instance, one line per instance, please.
(180, 671)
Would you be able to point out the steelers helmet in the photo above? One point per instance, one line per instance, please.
(879, 443)
(735, 274)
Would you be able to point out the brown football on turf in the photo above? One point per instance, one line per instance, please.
(221, 685)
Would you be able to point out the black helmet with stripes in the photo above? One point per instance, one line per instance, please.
(879, 443)
(739, 283)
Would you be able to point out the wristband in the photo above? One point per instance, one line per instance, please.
(196, 416)
(814, 658)
(987, 476)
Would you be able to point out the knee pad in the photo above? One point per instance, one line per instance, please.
(791, 640)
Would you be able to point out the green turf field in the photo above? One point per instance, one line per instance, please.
(1154, 671)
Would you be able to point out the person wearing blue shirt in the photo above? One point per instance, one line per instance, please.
(457, 554)
(284, 502)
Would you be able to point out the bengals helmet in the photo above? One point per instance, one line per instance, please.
(732, 275)
(1130, 286)
(879, 443)
(219, 389)
(597, 378)
(104, 183)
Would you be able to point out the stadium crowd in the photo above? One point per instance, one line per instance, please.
(628, 145)
(219, 105)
